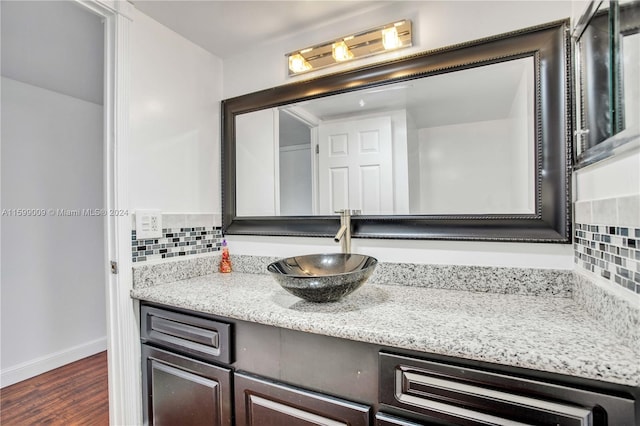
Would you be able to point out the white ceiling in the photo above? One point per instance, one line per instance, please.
(226, 26)
(477, 94)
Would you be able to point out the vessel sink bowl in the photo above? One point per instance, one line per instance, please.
(323, 277)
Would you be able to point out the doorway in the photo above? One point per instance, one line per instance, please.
(53, 187)
(295, 165)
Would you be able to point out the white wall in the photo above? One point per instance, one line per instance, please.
(436, 24)
(296, 186)
(42, 46)
(522, 118)
(458, 162)
(257, 159)
(413, 165)
(456, 170)
(175, 122)
(631, 59)
(53, 267)
(614, 177)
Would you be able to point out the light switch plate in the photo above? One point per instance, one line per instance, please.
(148, 224)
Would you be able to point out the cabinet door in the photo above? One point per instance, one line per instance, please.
(262, 402)
(181, 391)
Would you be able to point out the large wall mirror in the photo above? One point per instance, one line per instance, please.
(607, 47)
(468, 142)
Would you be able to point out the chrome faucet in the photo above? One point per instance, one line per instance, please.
(344, 232)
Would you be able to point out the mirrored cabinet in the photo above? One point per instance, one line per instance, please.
(607, 77)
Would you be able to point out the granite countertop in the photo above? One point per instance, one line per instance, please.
(544, 333)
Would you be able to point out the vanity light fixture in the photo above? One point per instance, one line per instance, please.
(390, 38)
(298, 64)
(382, 39)
(340, 51)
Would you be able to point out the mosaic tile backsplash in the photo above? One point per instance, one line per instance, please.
(176, 242)
(612, 252)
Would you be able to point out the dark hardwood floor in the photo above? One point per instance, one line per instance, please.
(74, 394)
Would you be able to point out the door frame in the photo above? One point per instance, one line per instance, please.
(123, 349)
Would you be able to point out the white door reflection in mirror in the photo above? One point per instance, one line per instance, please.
(456, 143)
(355, 166)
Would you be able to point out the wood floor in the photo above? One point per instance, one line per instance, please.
(74, 394)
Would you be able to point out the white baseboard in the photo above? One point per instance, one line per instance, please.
(37, 366)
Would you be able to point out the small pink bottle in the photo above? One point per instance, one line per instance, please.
(225, 262)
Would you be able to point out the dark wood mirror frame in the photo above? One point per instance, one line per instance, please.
(548, 44)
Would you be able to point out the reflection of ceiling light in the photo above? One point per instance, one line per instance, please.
(371, 42)
(341, 52)
(297, 63)
(390, 39)
(361, 103)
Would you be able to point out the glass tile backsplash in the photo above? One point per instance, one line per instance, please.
(613, 252)
(176, 242)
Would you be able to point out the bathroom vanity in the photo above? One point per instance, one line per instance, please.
(237, 349)
(468, 349)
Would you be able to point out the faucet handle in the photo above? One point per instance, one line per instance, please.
(356, 212)
(339, 211)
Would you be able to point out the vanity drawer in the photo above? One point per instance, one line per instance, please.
(459, 395)
(261, 401)
(201, 337)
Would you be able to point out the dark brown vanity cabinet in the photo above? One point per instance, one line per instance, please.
(188, 376)
(200, 369)
(263, 402)
(180, 383)
(182, 391)
(437, 393)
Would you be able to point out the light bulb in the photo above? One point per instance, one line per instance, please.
(298, 64)
(341, 51)
(390, 39)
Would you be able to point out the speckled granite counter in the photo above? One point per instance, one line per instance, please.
(545, 333)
